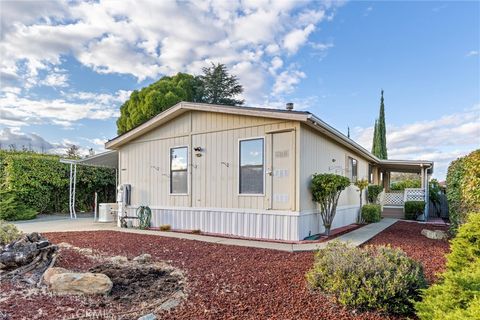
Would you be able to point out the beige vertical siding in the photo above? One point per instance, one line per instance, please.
(316, 154)
(144, 162)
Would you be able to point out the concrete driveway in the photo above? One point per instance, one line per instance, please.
(60, 223)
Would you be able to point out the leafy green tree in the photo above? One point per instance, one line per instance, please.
(219, 87)
(379, 146)
(157, 97)
(326, 189)
(216, 86)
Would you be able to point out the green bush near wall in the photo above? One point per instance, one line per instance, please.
(457, 294)
(41, 182)
(413, 209)
(373, 191)
(463, 188)
(371, 213)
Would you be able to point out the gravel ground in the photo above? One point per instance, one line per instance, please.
(223, 282)
(407, 236)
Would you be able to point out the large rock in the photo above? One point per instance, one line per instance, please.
(80, 283)
(435, 234)
(119, 259)
(47, 276)
(143, 258)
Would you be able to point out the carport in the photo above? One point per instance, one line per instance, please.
(108, 159)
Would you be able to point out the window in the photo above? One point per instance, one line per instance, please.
(251, 166)
(353, 169)
(179, 170)
(370, 173)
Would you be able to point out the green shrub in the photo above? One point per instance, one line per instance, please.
(463, 188)
(407, 183)
(371, 213)
(373, 191)
(457, 294)
(8, 233)
(413, 209)
(11, 208)
(370, 278)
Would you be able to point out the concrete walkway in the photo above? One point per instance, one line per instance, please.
(85, 223)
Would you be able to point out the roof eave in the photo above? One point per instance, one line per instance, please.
(181, 107)
(341, 138)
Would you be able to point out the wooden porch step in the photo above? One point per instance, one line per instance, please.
(392, 212)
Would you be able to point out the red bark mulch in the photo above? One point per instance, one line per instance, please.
(407, 236)
(227, 282)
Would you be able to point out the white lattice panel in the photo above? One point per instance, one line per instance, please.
(414, 194)
(393, 199)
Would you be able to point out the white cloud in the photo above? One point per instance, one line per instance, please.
(13, 137)
(55, 80)
(287, 80)
(17, 110)
(441, 140)
(157, 38)
(296, 38)
(472, 53)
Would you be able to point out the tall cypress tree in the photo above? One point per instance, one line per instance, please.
(379, 146)
(375, 143)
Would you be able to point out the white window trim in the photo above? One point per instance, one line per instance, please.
(263, 167)
(350, 168)
(170, 171)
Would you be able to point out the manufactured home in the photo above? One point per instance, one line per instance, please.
(244, 171)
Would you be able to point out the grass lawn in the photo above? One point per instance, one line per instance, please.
(223, 282)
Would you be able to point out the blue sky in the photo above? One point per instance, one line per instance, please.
(66, 67)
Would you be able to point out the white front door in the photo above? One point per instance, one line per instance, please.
(282, 170)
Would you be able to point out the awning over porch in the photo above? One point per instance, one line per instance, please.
(412, 166)
(108, 159)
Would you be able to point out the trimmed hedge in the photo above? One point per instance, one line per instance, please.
(413, 209)
(457, 294)
(43, 182)
(373, 191)
(371, 213)
(370, 278)
(407, 183)
(463, 188)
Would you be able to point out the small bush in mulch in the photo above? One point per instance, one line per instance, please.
(457, 295)
(413, 209)
(371, 213)
(371, 278)
(165, 227)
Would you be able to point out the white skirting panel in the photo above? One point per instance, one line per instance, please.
(251, 224)
(311, 223)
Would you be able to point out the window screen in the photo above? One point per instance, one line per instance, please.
(251, 166)
(179, 170)
(353, 169)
